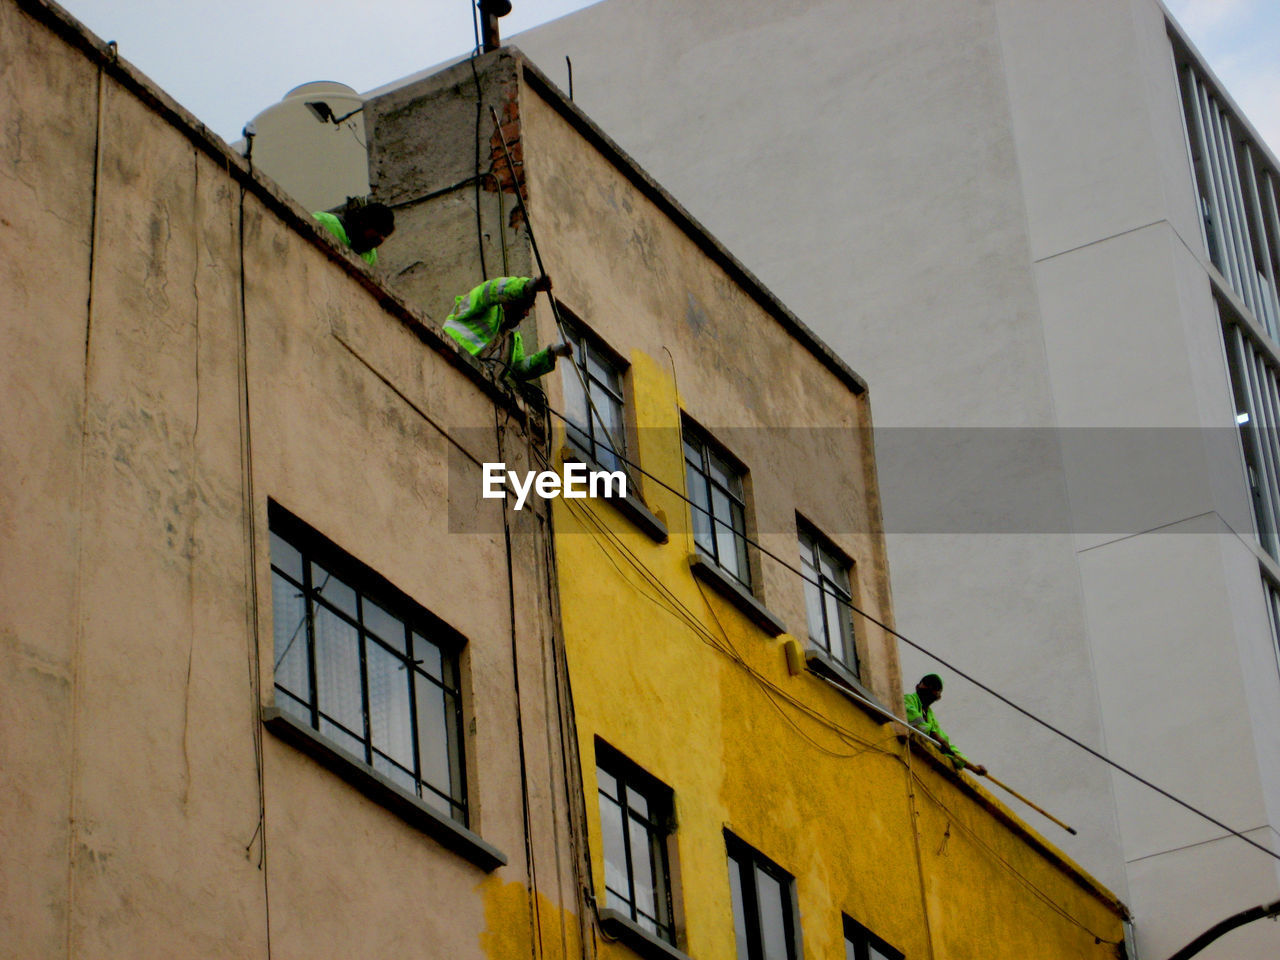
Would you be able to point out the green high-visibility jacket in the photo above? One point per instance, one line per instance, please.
(334, 226)
(476, 321)
(924, 721)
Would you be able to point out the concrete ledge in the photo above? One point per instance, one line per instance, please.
(919, 745)
(709, 572)
(632, 508)
(648, 945)
(842, 678)
(448, 833)
(242, 172)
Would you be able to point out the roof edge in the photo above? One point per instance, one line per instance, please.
(242, 171)
(694, 230)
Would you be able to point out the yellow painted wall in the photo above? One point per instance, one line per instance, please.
(683, 684)
(690, 690)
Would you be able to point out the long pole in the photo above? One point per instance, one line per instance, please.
(1038, 809)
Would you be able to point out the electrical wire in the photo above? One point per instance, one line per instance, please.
(475, 75)
(996, 855)
(1116, 765)
(676, 607)
(583, 512)
(251, 546)
(535, 913)
(555, 309)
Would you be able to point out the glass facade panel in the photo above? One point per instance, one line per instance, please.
(386, 626)
(289, 619)
(390, 707)
(334, 591)
(338, 670)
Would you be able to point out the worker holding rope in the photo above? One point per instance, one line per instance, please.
(481, 319)
(920, 715)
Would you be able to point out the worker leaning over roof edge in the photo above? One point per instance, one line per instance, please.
(495, 307)
(360, 226)
(920, 715)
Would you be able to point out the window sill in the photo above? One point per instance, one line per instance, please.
(842, 678)
(709, 572)
(648, 945)
(448, 833)
(630, 507)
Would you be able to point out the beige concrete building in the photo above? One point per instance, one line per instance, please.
(257, 699)
(278, 679)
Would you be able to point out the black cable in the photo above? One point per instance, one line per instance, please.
(946, 663)
(255, 651)
(475, 75)
(535, 916)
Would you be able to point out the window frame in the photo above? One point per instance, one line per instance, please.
(711, 454)
(657, 820)
(586, 346)
(747, 862)
(863, 941)
(814, 549)
(419, 624)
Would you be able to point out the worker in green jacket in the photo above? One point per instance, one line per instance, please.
(920, 715)
(361, 227)
(483, 316)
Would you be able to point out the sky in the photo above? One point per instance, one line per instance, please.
(226, 62)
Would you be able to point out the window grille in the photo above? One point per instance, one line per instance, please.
(366, 667)
(718, 506)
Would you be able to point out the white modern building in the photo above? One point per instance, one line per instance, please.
(1051, 242)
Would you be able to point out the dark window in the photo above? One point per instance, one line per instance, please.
(763, 909)
(597, 427)
(718, 505)
(828, 598)
(365, 666)
(635, 821)
(861, 944)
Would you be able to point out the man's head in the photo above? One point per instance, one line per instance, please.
(516, 310)
(368, 224)
(929, 689)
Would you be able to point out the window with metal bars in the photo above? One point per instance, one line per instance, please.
(371, 671)
(1255, 385)
(1239, 193)
(635, 822)
(828, 598)
(764, 914)
(597, 427)
(861, 944)
(718, 505)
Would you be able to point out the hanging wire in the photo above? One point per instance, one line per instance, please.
(950, 666)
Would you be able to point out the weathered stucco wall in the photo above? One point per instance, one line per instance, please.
(183, 347)
(663, 668)
(826, 790)
(987, 207)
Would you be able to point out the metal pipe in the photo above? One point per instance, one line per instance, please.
(1038, 809)
(1226, 926)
